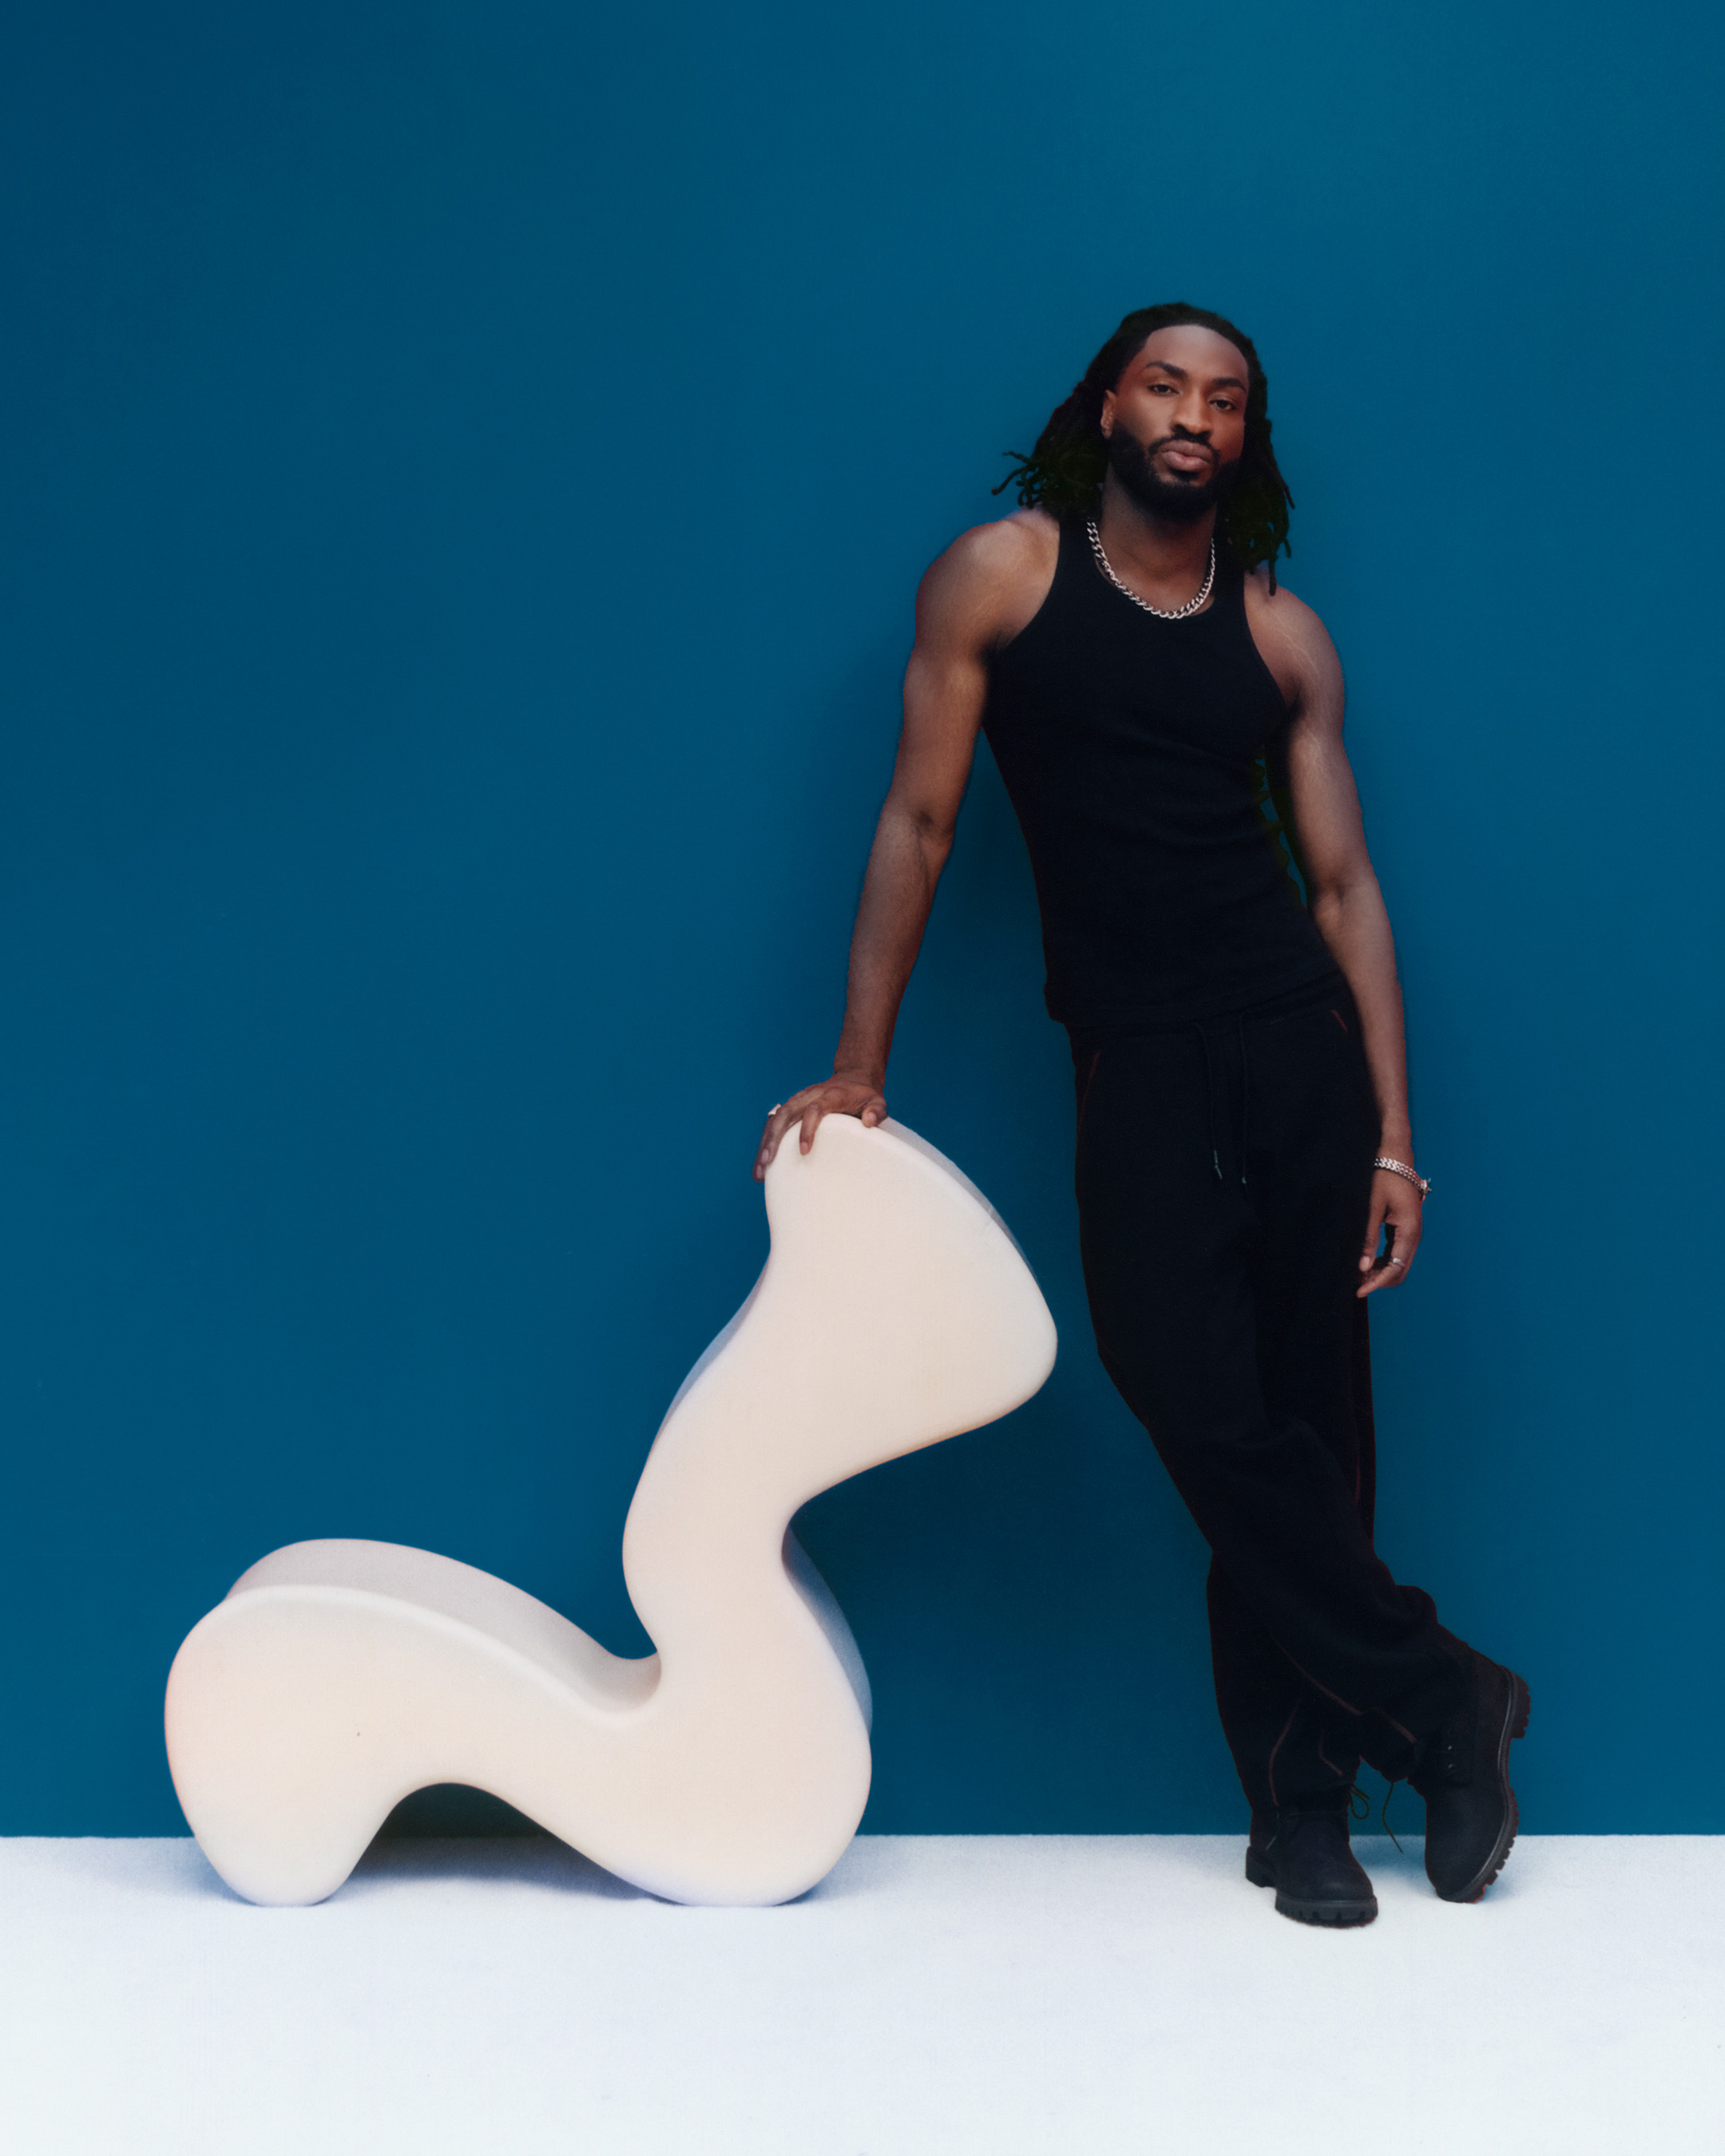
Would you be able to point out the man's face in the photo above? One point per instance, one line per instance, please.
(1175, 422)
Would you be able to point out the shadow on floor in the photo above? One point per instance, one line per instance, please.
(446, 1833)
(531, 1858)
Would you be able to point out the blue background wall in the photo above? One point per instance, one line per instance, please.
(469, 468)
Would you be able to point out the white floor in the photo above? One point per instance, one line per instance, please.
(1093, 1996)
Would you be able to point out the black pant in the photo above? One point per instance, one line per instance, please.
(1224, 1173)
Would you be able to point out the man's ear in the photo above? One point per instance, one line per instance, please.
(1107, 413)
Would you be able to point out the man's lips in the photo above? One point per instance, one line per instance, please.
(1183, 456)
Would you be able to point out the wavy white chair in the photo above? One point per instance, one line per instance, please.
(731, 1766)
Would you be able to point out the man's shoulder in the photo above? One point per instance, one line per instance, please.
(1279, 606)
(1005, 545)
(994, 575)
(1282, 622)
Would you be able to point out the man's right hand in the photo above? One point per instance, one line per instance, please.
(841, 1095)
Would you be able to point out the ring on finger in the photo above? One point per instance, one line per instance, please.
(1396, 1261)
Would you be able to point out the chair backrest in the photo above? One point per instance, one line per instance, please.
(895, 1310)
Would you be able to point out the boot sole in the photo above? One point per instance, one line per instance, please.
(1337, 1916)
(1519, 1707)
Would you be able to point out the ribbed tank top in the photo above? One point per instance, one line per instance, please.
(1128, 746)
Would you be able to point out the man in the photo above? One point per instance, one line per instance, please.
(1246, 1175)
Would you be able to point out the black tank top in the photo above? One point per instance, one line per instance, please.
(1128, 746)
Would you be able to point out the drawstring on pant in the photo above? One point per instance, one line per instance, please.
(1209, 1097)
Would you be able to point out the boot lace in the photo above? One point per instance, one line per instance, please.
(1364, 1811)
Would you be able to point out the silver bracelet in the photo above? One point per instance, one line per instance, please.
(1401, 1167)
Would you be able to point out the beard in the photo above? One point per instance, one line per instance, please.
(1175, 501)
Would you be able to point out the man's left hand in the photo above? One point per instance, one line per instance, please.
(1395, 1208)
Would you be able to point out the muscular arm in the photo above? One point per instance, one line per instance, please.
(974, 596)
(1346, 904)
(945, 685)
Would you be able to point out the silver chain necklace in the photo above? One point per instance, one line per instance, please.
(1161, 613)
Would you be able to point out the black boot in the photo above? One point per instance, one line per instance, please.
(1304, 1854)
(1463, 1774)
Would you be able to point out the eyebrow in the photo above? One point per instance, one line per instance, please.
(1217, 380)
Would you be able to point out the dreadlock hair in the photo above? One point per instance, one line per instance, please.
(1064, 473)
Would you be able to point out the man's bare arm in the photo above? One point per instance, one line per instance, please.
(971, 599)
(1346, 904)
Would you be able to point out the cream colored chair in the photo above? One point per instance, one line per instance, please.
(733, 1766)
